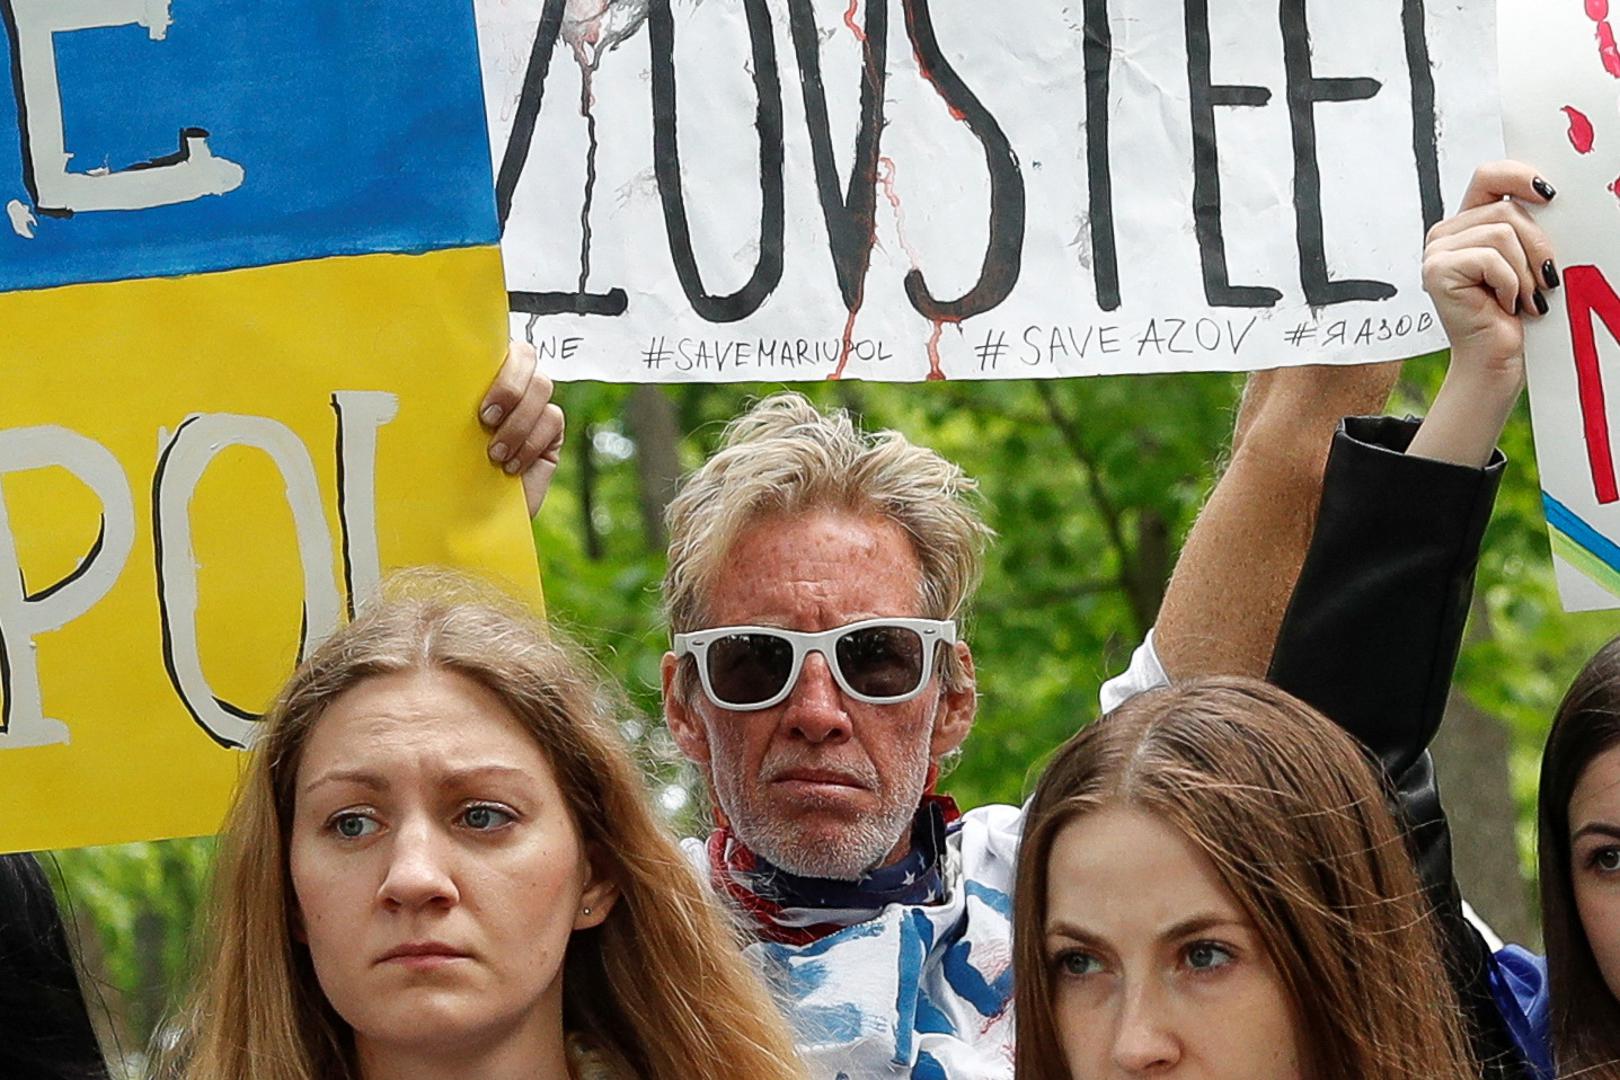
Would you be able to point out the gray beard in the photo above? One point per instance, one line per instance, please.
(849, 857)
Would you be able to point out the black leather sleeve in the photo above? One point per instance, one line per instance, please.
(1372, 633)
(1371, 638)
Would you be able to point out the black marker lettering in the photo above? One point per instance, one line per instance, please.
(1425, 130)
(667, 165)
(851, 218)
(1004, 254)
(1099, 54)
(1304, 91)
(614, 302)
(1206, 96)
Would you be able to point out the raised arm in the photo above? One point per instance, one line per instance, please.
(1376, 621)
(1236, 571)
(1375, 625)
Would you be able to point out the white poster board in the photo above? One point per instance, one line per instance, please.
(1561, 89)
(724, 190)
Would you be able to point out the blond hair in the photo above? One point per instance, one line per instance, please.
(660, 986)
(785, 457)
(1294, 820)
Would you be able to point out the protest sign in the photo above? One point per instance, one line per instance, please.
(241, 373)
(909, 189)
(1560, 88)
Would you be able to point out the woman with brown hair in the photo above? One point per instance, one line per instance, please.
(1211, 885)
(1579, 843)
(441, 862)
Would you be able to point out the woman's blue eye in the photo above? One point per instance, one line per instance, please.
(1206, 955)
(483, 818)
(353, 826)
(1079, 963)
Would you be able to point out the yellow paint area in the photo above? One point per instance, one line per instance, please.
(125, 364)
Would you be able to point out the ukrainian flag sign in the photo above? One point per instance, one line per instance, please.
(250, 296)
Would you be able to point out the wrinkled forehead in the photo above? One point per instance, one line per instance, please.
(818, 568)
(423, 723)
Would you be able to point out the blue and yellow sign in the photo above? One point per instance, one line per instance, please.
(251, 296)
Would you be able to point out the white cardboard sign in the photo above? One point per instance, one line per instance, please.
(722, 190)
(1561, 113)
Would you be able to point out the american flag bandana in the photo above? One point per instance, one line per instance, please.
(793, 910)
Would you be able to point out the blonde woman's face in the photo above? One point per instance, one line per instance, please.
(1155, 969)
(437, 868)
(1594, 829)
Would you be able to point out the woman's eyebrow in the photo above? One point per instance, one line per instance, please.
(1202, 923)
(479, 773)
(360, 777)
(1072, 931)
(1597, 828)
(1196, 924)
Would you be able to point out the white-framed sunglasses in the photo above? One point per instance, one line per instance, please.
(878, 661)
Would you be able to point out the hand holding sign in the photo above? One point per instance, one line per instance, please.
(1489, 263)
(1485, 267)
(527, 426)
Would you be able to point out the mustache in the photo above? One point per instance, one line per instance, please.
(861, 773)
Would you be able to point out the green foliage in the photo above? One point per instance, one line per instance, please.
(1067, 500)
(143, 900)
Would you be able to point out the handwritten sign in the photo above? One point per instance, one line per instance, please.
(252, 295)
(910, 189)
(1561, 103)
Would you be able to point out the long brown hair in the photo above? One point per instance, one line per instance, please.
(1584, 1014)
(1294, 820)
(660, 987)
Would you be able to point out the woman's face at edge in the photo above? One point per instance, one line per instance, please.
(1594, 838)
(437, 868)
(1155, 968)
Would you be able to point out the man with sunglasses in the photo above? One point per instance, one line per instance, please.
(817, 677)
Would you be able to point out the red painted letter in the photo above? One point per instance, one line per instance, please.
(1589, 292)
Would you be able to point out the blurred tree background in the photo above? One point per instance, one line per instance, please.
(1091, 485)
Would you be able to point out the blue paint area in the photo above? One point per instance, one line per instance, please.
(931, 1019)
(1567, 522)
(916, 938)
(826, 1025)
(800, 980)
(989, 998)
(994, 899)
(359, 123)
(798, 975)
(927, 1068)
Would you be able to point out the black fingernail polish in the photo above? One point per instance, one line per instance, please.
(1549, 272)
(1541, 303)
(1544, 189)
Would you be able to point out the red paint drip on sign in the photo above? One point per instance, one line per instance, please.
(936, 373)
(886, 171)
(849, 21)
(846, 344)
(1581, 135)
